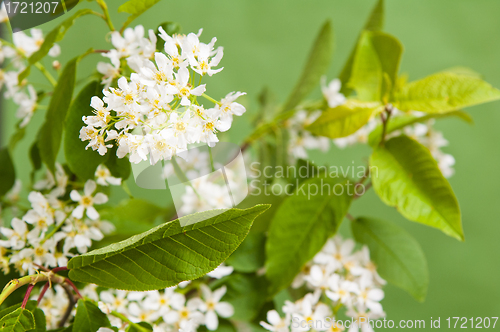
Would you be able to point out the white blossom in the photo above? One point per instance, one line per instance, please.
(87, 201)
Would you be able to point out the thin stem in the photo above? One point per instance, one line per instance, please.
(107, 18)
(385, 120)
(42, 293)
(269, 126)
(211, 159)
(367, 186)
(244, 147)
(182, 176)
(31, 279)
(211, 99)
(125, 319)
(70, 307)
(69, 282)
(37, 64)
(27, 295)
(44, 71)
(41, 267)
(49, 235)
(60, 268)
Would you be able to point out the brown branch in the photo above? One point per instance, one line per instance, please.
(71, 305)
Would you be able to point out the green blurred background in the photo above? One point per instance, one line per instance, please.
(266, 43)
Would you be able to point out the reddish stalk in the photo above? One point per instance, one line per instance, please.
(27, 295)
(69, 282)
(42, 293)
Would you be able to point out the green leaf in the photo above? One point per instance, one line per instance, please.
(39, 315)
(304, 169)
(50, 134)
(345, 119)
(245, 292)
(11, 308)
(81, 162)
(259, 196)
(301, 226)
(134, 328)
(444, 92)
(36, 160)
(16, 137)
(266, 161)
(169, 253)
(119, 168)
(250, 255)
(132, 216)
(400, 122)
(405, 175)
(56, 35)
(20, 320)
(316, 65)
(399, 258)
(377, 54)
(89, 318)
(279, 300)
(7, 172)
(135, 8)
(24, 74)
(462, 71)
(375, 22)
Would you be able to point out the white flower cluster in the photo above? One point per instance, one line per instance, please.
(347, 279)
(301, 140)
(22, 94)
(165, 310)
(54, 229)
(156, 112)
(207, 190)
(168, 309)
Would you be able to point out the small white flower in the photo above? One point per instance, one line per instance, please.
(42, 253)
(110, 71)
(361, 319)
(182, 88)
(331, 92)
(27, 105)
(182, 311)
(310, 311)
(341, 290)
(87, 201)
(276, 323)
(116, 300)
(228, 107)
(367, 267)
(104, 178)
(212, 306)
(369, 296)
(335, 252)
(16, 236)
(319, 276)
